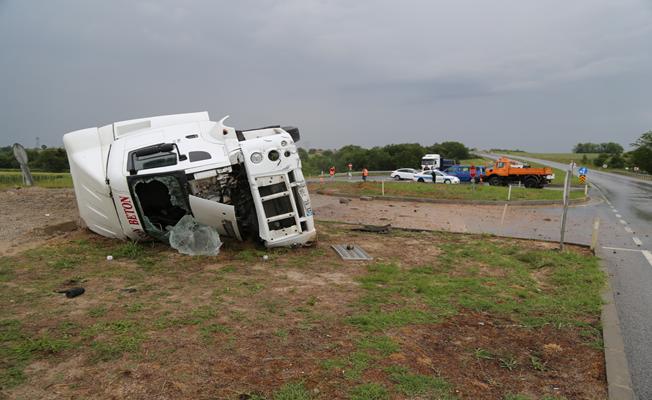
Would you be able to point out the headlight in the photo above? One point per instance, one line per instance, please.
(256, 157)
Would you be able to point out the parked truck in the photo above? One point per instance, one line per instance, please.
(506, 171)
(136, 179)
(434, 161)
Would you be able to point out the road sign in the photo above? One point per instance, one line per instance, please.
(582, 179)
(583, 171)
(21, 157)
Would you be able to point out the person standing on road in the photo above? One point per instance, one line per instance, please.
(365, 174)
(331, 171)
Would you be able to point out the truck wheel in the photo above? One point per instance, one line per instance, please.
(494, 181)
(530, 182)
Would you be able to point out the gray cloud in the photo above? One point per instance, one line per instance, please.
(528, 74)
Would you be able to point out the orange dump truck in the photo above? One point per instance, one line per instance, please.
(506, 171)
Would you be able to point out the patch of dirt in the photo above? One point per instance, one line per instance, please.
(31, 215)
(546, 361)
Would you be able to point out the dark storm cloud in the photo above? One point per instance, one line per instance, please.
(528, 74)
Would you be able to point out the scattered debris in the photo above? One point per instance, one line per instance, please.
(374, 228)
(351, 252)
(129, 290)
(109, 257)
(366, 198)
(265, 257)
(344, 200)
(194, 239)
(72, 292)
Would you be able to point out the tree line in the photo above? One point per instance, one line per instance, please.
(607, 148)
(385, 158)
(614, 156)
(52, 159)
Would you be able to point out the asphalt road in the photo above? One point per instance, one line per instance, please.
(625, 244)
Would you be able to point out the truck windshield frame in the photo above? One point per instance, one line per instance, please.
(157, 156)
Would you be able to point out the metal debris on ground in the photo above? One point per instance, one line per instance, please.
(351, 252)
(374, 228)
(344, 200)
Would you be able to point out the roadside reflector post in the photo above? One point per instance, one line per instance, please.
(509, 193)
(586, 190)
(567, 181)
(382, 187)
(594, 234)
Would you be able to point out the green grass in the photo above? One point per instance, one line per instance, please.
(292, 391)
(440, 192)
(230, 302)
(368, 391)
(42, 179)
(420, 386)
(396, 297)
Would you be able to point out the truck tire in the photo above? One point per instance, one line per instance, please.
(531, 182)
(494, 181)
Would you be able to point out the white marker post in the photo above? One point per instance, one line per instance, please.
(382, 187)
(594, 234)
(567, 182)
(509, 193)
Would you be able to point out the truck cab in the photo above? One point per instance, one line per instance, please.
(135, 179)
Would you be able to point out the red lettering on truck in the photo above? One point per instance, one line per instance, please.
(129, 211)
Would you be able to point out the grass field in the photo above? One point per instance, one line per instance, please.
(9, 178)
(465, 316)
(440, 191)
(564, 158)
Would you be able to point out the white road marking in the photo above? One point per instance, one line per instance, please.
(618, 216)
(637, 241)
(622, 221)
(628, 229)
(648, 256)
(620, 248)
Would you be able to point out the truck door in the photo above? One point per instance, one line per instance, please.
(161, 200)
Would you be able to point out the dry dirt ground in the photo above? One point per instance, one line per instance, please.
(303, 324)
(31, 215)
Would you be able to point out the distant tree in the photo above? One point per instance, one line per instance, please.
(585, 159)
(609, 148)
(616, 161)
(601, 160)
(51, 160)
(641, 156)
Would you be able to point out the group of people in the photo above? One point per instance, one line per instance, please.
(365, 172)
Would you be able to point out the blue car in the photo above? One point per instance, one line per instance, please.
(464, 172)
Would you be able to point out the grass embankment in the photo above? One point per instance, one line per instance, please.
(564, 158)
(439, 191)
(43, 179)
(465, 316)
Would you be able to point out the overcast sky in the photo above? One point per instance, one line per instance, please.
(539, 75)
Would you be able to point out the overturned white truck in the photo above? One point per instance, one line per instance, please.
(134, 179)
